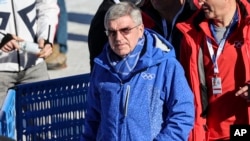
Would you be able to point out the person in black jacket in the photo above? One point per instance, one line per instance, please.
(96, 31)
(165, 14)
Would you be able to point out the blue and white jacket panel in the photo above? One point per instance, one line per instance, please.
(155, 103)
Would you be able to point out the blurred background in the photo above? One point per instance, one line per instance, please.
(80, 14)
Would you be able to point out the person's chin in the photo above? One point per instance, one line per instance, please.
(121, 53)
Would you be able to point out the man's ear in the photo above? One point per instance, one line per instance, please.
(141, 28)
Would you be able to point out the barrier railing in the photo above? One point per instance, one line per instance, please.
(51, 110)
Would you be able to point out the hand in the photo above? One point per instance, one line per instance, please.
(243, 92)
(46, 49)
(11, 44)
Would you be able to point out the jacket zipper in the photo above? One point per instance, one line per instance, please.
(126, 100)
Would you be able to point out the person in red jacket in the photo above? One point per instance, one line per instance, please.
(216, 59)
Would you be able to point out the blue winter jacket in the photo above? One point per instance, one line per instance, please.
(154, 104)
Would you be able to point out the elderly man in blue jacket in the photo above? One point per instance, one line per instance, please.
(138, 91)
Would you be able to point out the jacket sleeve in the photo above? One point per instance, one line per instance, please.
(179, 103)
(92, 116)
(48, 12)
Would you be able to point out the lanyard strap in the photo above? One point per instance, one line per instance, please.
(214, 57)
(167, 35)
(165, 28)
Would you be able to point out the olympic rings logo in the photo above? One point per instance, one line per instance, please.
(148, 76)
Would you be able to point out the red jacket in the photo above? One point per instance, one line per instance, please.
(196, 3)
(223, 109)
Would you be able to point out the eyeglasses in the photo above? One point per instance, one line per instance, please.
(123, 31)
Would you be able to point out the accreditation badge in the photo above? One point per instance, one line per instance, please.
(216, 85)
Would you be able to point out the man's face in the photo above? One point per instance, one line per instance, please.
(123, 35)
(214, 9)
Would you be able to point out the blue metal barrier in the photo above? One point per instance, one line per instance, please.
(51, 110)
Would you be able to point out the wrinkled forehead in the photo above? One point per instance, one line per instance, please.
(121, 22)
